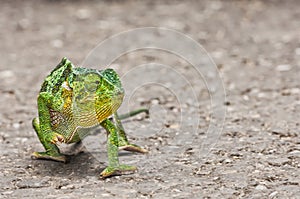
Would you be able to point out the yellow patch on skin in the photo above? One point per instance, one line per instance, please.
(67, 95)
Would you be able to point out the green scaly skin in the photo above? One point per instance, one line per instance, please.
(72, 99)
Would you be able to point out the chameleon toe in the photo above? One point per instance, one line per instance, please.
(45, 156)
(133, 148)
(120, 170)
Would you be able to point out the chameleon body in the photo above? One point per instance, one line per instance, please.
(71, 101)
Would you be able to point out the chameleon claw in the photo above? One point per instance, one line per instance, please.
(133, 148)
(45, 156)
(57, 138)
(119, 170)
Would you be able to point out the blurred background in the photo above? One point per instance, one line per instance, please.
(256, 47)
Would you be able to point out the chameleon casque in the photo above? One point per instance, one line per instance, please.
(72, 100)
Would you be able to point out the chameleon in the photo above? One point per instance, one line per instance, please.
(73, 100)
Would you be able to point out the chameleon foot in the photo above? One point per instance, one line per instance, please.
(45, 156)
(133, 148)
(119, 170)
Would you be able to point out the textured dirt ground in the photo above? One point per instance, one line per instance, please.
(256, 46)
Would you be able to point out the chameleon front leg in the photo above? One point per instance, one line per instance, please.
(113, 168)
(123, 141)
(47, 137)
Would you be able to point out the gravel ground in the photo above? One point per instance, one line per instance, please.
(256, 47)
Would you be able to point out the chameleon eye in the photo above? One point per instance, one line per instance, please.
(91, 84)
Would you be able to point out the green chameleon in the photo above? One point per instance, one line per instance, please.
(73, 100)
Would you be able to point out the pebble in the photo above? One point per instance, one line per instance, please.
(7, 192)
(16, 125)
(261, 95)
(216, 5)
(283, 67)
(246, 97)
(201, 172)
(261, 187)
(226, 161)
(6, 74)
(57, 43)
(174, 24)
(278, 161)
(291, 91)
(106, 195)
(295, 152)
(217, 54)
(216, 178)
(295, 90)
(155, 101)
(273, 194)
(69, 186)
(174, 126)
(31, 183)
(23, 24)
(83, 14)
(297, 51)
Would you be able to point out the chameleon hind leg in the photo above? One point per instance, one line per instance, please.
(123, 141)
(47, 137)
(114, 167)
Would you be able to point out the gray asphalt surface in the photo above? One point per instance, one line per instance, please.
(256, 47)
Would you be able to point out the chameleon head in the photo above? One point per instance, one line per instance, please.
(98, 90)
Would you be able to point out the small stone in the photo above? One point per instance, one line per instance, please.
(6, 74)
(278, 161)
(174, 24)
(216, 178)
(295, 152)
(295, 90)
(226, 161)
(177, 190)
(31, 183)
(23, 24)
(217, 54)
(16, 125)
(261, 187)
(290, 91)
(7, 192)
(273, 194)
(155, 101)
(201, 172)
(174, 126)
(83, 14)
(106, 195)
(246, 97)
(216, 5)
(297, 51)
(69, 186)
(283, 67)
(57, 43)
(261, 95)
